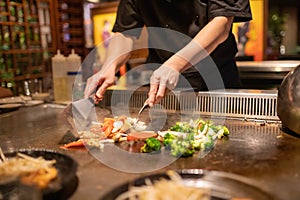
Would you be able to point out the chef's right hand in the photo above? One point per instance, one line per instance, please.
(162, 80)
(99, 83)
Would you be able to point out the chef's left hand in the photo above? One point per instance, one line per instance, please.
(163, 79)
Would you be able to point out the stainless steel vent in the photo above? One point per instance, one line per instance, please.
(239, 103)
(248, 104)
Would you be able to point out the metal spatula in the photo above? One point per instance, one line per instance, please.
(80, 114)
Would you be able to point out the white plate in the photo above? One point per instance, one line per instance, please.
(10, 107)
(11, 100)
(34, 102)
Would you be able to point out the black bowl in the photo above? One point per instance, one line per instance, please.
(65, 183)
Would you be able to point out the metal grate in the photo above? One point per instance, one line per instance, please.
(249, 104)
(239, 103)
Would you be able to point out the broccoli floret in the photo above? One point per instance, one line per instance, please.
(220, 131)
(188, 152)
(168, 139)
(200, 136)
(197, 144)
(226, 131)
(151, 144)
(220, 127)
(184, 127)
(208, 143)
(182, 146)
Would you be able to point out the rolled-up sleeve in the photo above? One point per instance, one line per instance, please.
(239, 9)
(128, 18)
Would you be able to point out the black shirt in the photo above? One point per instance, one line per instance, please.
(182, 20)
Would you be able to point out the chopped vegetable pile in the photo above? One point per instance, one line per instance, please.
(182, 139)
(114, 129)
(185, 138)
(151, 145)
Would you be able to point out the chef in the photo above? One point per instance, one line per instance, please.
(184, 38)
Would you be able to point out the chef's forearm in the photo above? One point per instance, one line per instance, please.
(214, 33)
(118, 52)
(207, 40)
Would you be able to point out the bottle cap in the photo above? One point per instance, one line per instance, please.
(73, 55)
(58, 56)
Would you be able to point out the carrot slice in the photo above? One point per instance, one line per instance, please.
(108, 119)
(78, 143)
(108, 130)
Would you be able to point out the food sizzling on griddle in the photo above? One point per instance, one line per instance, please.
(182, 139)
(116, 129)
(185, 138)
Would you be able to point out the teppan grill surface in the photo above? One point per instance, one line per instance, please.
(257, 147)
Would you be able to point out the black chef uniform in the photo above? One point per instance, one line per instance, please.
(187, 17)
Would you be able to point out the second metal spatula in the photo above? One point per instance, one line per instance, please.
(146, 105)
